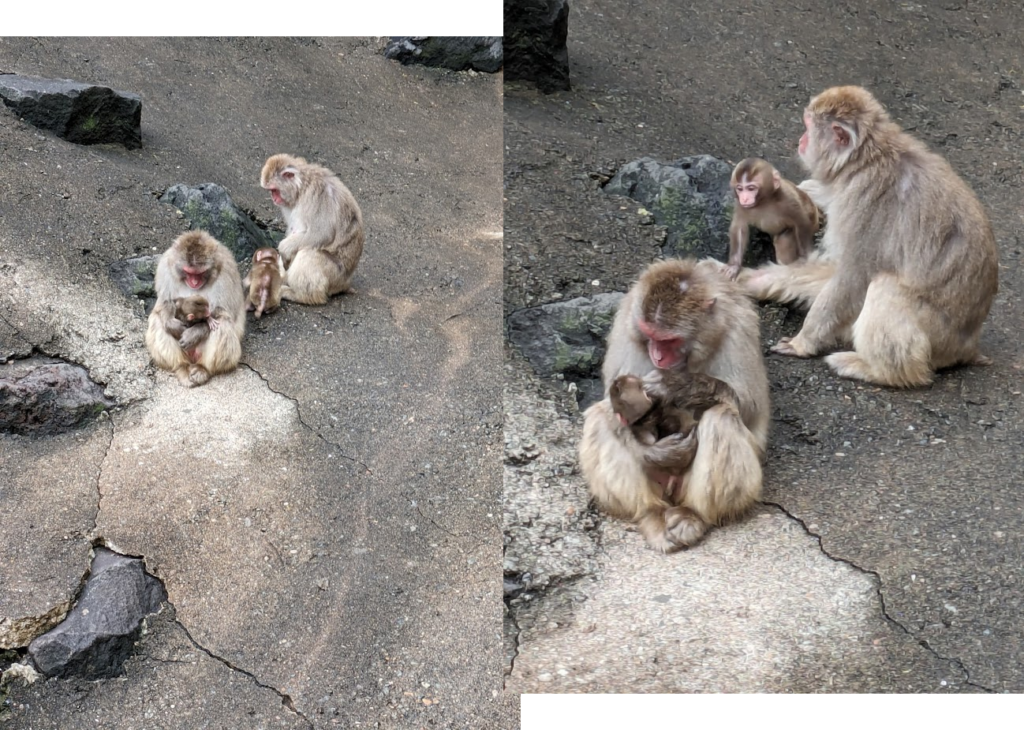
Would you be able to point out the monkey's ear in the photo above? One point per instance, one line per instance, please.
(708, 304)
(776, 179)
(841, 134)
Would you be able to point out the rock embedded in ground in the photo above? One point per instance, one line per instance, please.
(41, 396)
(565, 337)
(458, 53)
(100, 631)
(692, 198)
(78, 112)
(135, 276)
(209, 207)
(535, 43)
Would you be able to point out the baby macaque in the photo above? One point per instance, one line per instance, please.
(666, 403)
(264, 281)
(192, 321)
(771, 204)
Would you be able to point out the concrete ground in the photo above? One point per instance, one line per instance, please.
(325, 519)
(886, 556)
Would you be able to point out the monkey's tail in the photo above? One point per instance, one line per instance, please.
(264, 293)
(725, 479)
(797, 283)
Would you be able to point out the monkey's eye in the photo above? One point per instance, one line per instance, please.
(287, 175)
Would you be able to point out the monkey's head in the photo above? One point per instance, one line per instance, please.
(837, 122)
(753, 179)
(191, 309)
(196, 263)
(629, 400)
(672, 310)
(267, 254)
(281, 176)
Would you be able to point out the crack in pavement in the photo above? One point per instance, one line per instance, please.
(298, 412)
(286, 699)
(515, 645)
(93, 537)
(881, 599)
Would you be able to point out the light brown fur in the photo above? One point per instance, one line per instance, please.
(325, 228)
(264, 281)
(717, 334)
(909, 265)
(221, 286)
(778, 207)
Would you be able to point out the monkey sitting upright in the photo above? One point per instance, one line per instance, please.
(771, 204)
(665, 403)
(264, 281)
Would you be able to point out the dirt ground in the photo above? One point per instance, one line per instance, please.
(920, 490)
(324, 519)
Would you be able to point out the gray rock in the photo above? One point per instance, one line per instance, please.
(100, 631)
(135, 276)
(41, 396)
(458, 53)
(208, 207)
(78, 112)
(693, 200)
(565, 337)
(535, 43)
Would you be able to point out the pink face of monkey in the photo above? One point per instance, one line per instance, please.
(804, 149)
(664, 348)
(746, 192)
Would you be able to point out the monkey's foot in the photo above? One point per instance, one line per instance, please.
(673, 529)
(793, 346)
(181, 374)
(198, 375)
(683, 526)
(980, 359)
(852, 365)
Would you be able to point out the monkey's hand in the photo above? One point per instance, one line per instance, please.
(673, 453)
(732, 271)
(194, 335)
(793, 346)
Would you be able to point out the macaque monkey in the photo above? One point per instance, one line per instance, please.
(908, 267)
(771, 204)
(325, 228)
(665, 403)
(682, 321)
(193, 321)
(197, 264)
(264, 281)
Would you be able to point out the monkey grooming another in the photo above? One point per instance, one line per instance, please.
(680, 320)
(908, 268)
(197, 264)
(325, 228)
(264, 281)
(770, 203)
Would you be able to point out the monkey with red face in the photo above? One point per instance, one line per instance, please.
(325, 228)
(908, 268)
(682, 319)
(197, 264)
(771, 204)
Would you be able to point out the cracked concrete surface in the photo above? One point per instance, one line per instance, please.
(324, 518)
